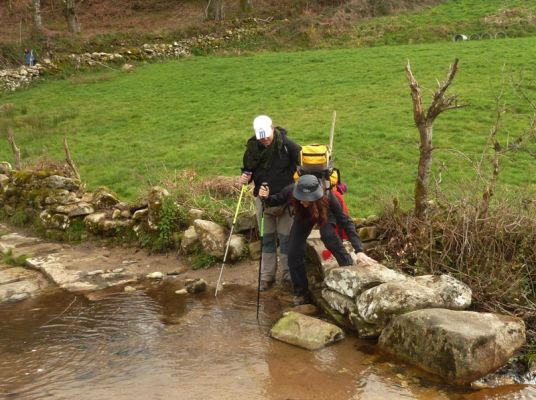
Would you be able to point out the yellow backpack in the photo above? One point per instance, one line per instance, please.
(314, 158)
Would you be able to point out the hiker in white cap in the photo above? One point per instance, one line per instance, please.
(271, 157)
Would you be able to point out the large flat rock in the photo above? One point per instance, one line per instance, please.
(460, 346)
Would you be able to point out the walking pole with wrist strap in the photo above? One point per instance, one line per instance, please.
(242, 191)
(261, 234)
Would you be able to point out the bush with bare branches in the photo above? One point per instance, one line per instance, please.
(495, 255)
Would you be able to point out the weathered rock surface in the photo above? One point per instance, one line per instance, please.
(189, 240)
(460, 346)
(195, 285)
(381, 303)
(343, 304)
(354, 280)
(17, 283)
(73, 280)
(245, 222)
(213, 239)
(211, 236)
(237, 247)
(307, 332)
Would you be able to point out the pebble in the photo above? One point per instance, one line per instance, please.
(181, 292)
(118, 270)
(155, 275)
(129, 289)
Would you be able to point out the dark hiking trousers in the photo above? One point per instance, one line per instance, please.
(296, 252)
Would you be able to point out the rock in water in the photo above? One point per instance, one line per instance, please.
(307, 332)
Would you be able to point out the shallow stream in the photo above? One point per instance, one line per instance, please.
(154, 344)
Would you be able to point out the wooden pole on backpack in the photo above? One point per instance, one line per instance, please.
(332, 132)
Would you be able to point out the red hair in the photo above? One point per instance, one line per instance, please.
(317, 212)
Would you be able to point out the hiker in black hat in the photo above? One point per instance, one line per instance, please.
(314, 206)
(271, 157)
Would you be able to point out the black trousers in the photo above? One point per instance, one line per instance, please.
(296, 252)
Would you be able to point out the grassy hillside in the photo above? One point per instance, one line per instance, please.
(290, 24)
(125, 128)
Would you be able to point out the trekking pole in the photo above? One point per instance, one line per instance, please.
(261, 234)
(242, 191)
(332, 132)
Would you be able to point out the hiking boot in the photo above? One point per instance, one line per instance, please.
(300, 300)
(266, 285)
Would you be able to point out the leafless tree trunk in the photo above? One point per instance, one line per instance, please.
(246, 5)
(14, 148)
(38, 22)
(214, 10)
(425, 123)
(69, 12)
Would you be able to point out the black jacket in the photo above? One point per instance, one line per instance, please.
(282, 168)
(336, 215)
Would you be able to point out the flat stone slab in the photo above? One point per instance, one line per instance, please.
(73, 280)
(460, 346)
(14, 274)
(36, 249)
(12, 240)
(17, 284)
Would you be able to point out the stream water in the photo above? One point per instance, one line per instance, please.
(154, 344)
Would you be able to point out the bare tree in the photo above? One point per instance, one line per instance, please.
(214, 10)
(38, 22)
(69, 11)
(246, 5)
(425, 123)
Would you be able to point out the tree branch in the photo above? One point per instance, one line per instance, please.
(70, 161)
(418, 110)
(16, 150)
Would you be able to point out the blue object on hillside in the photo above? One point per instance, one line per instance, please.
(29, 58)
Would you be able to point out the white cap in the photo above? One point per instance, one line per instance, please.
(262, 125)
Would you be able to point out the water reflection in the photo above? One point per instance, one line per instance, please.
(155, 344)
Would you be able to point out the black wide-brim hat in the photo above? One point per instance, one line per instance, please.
(308, 188)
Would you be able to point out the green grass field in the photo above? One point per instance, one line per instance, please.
(476, 18)
(124, 129)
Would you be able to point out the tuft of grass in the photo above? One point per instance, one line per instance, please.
(202, 259)
(18, 261)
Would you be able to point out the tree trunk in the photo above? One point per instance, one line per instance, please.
(38, 22)
(425, 167)
(424, 120)
(214, 10)
(246, 5)
(70, 15)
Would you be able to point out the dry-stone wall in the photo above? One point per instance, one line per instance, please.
(56, 202)
(13, 79)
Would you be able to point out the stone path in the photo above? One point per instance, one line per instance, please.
(92, 266)
(77, 269)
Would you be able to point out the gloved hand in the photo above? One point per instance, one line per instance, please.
(245, 177)
(363, 259)
(264, 191)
